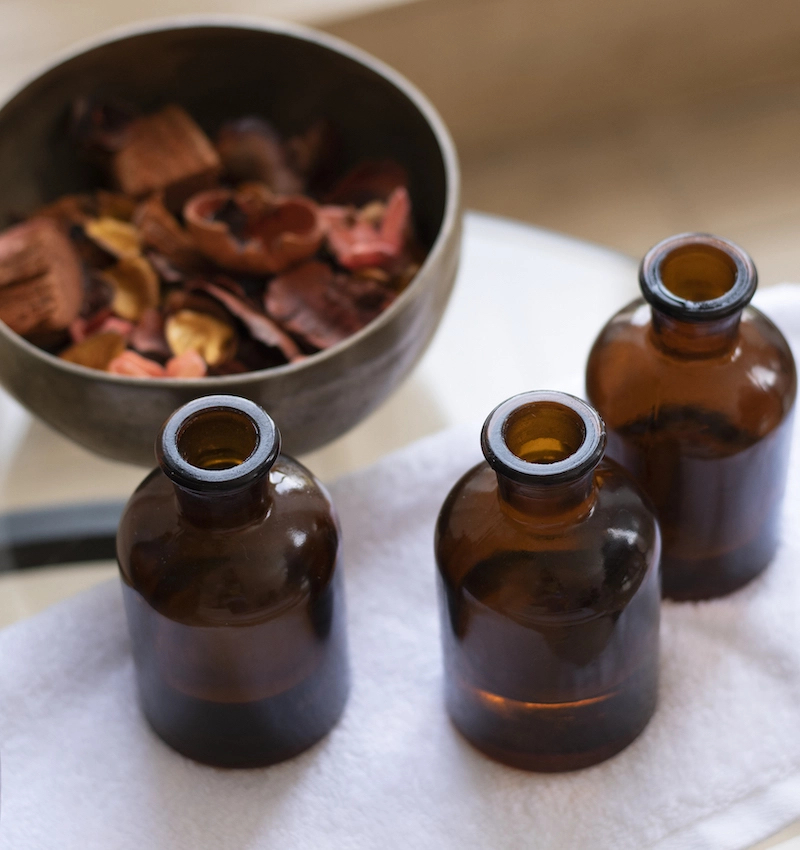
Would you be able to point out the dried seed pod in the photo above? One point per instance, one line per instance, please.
(260, 326)
(160, 230)
(165, 151)
(136, 287)
(116, 237)
(135, 366)
(250, 149)
(247, 233)
(100, 127)
(213, 340)
(187, 365)
(96, 351)
(357, 241)
(41, 279)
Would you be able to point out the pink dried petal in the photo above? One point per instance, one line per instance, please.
(116, 325)
(360, 244)
(187, 365)
(81, 329)
(134, 365)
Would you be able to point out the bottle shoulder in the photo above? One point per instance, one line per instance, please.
(751, 384)
(594, 564)
(231, 573)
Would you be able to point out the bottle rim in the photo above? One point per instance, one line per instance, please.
(657, 293)
(575, 412)
(180, 470)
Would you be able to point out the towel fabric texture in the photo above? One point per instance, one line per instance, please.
(718, 766)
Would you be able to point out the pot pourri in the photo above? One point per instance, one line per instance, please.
(207, 257)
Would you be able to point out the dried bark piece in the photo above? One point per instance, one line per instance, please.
(372, 180)
(41, 279)
(96, 351)
(147, 336)
(260, 326)
(321, 307)
(247, 233)
(135, 366)
(160, 230)
(165, 151)
(213, 340)
(136, 287)
(250, 149)
(116, 237)
(360, 240)
(187, 365)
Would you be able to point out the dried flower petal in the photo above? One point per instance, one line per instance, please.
(114, 205)
(136, 287)
(323, 308)
(250, 149)
(260, 326)
(69, 210)
(147, 337)
(187, 330)
(358, 242)
(373, 180)
(135, 366)
(101, 126)
(41, 279)
(270, 235)
(96, 351)
(165, 151)
(160, 230)
(118, 238)
(187, 365)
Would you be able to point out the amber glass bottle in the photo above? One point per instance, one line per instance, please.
(697, 390)
(228, 554)
(549, 590)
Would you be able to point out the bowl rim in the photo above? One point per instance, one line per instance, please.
(447, 149)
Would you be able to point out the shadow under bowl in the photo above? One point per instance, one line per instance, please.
(219, 70)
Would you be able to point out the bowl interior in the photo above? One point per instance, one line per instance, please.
(218, 73)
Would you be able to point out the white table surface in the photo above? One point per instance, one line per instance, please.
(525, 310)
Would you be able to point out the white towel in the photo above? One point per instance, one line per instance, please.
(718, 767)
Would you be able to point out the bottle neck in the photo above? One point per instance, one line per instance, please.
(703, 338)
(552, 503)
(227, 509)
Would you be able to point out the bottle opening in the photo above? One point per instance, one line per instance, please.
(217, 439)
(217, 443)
(698, 273)
(544, 432)
(543, 437)
(696, 277)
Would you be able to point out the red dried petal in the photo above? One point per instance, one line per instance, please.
(373, 180)
(134, 365)
(323, 308)
(260, 326)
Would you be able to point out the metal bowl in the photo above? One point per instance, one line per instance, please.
(218, 69)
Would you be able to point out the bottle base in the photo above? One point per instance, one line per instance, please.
(697, 579)
(251, 734)
(554, 737)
